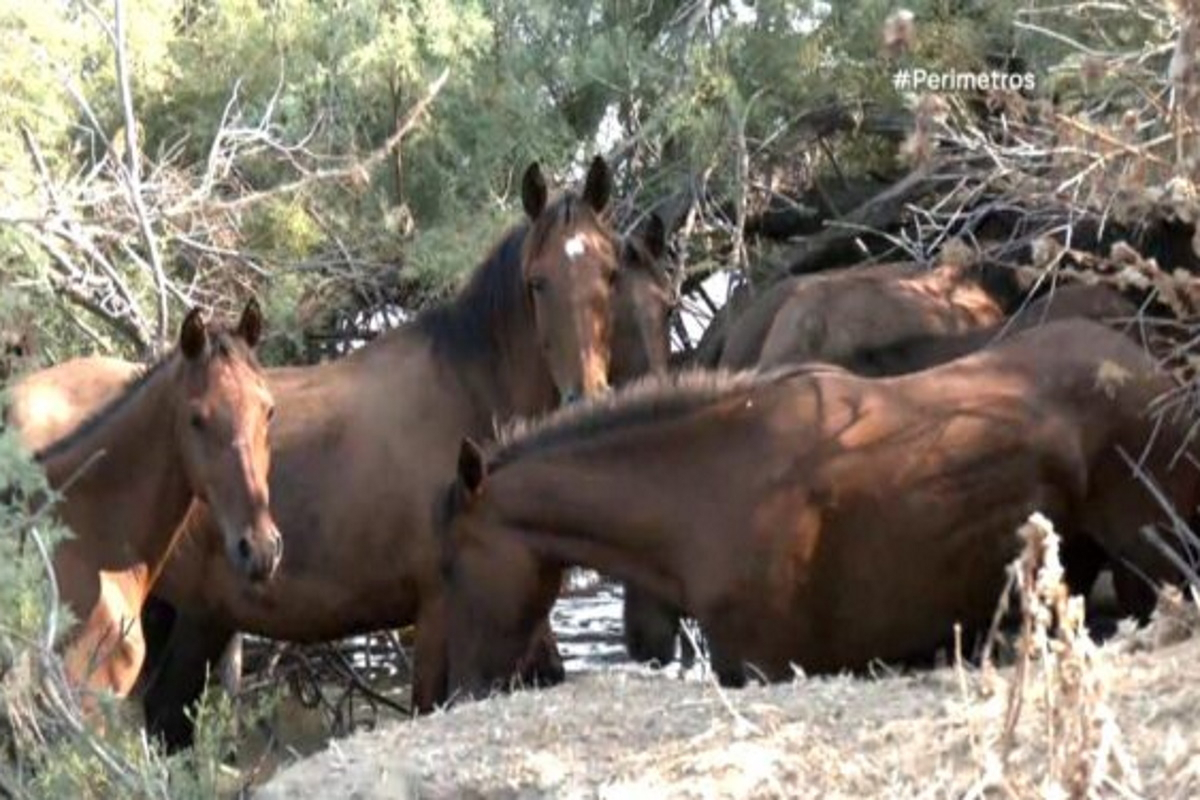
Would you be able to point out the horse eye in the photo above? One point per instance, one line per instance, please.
(197, 421)
(537, 283)
(613, 277)
(270, 413)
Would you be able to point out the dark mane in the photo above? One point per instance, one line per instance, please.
(647, 401)
(222, 344)
(474, 323)
(1003, 283)
(480, 318)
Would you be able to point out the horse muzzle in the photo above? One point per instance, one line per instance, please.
(257, 553)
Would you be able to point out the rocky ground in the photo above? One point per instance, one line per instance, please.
(1118, 721)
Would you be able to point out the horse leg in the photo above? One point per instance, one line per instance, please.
(179, 676)
(729, 668)
(542, 664)
(650, 627)
(1117, 514)
(158, 617)
(108, 651)
(724, 657)
(1136, 596)
(1083, 560)
(429, 658)
(687, 649)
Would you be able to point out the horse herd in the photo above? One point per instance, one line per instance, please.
(840, 482)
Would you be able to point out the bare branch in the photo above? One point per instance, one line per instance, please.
(132, 174)
(358, 169)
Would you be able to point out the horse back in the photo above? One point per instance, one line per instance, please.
(46, 405)
(1097, 303)
(746, 337)
(831, 321)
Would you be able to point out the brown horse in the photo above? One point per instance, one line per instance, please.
(1076, 301)
(362, 445)
(46, 405)
(831, 320)
(811, 517)
(651, 627)
(645, 298)
(194, 425)
(642, 346)
(748, 331)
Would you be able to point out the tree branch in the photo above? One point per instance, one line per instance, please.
(880, 212)
(357, 169)
(132, 174)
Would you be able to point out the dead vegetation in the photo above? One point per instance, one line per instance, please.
(1069, 719)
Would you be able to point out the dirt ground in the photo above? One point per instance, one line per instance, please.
(1130, 731)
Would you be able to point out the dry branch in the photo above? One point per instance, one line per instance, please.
(836, 245)
(358, 169)
(98, 229)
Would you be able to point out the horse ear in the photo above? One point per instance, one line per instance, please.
(250, 326)
(533, 191)
(472, 469)
(654, 234)
(193, 335)
(598, 187)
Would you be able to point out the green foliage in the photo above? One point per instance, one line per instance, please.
(44, 750)
(441, 256)
(282, 229)
(24, 591)
(199, 771)
(530, 79)
(281, 303)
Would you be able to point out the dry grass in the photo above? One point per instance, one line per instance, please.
(1069, 720)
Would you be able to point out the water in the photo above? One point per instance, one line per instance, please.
(588, 624)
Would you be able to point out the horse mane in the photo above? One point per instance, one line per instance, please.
(649, 400)
(477, 322)
(222, 343)
(474, 323)
(645, 401)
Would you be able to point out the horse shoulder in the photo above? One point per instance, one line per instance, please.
(109, 648)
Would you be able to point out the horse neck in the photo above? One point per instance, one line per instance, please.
(510, 378)
(123, 479)
(565, 512)
(521, 374)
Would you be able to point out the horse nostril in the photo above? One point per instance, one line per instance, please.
(243, 548)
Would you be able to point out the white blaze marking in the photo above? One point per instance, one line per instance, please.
(575, 246)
